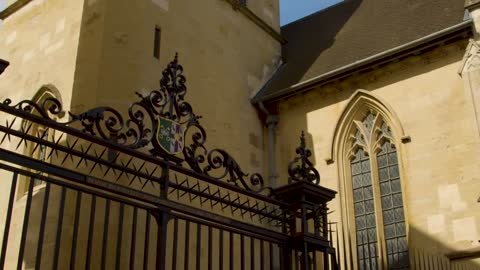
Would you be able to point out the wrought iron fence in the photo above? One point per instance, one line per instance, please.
(97, 191)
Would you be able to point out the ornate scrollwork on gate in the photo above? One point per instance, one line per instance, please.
(50, 108)
(301, 168)
(161, 121)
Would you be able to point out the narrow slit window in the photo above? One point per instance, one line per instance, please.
(156, 45)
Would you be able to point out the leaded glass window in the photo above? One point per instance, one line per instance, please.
(372, 135)
(392, 205)
(365, 224)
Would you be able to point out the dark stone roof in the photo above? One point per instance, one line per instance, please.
(3, 65)
(354, 30)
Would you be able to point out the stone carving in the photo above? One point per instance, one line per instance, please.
(471, 59)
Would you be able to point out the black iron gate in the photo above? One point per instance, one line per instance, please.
(96, 191)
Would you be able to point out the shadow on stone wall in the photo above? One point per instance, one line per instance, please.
(425, 253)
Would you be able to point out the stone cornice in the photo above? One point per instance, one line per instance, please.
(257, 20)
(464, 254)
(13, 8)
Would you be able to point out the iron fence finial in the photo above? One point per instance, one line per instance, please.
(301, 168)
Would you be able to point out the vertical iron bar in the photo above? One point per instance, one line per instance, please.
(442, 263)
(175, 240)
(199, 244)
(287, 258)
(231, 251)
(296, 260)
(8, 219)
(187, 240)
(134, 239)
(61, 211)
(162, 222)
(314, 258)
(330, 234)
(209, 247)
(336, 265)
(262, 255)
(119, 236)
(439, 264)
(252, 253)
(242, 252)
(75, 230)
(146, 246)
(41, 231)
(90, 231)
(432, 261)
(424, 261)
(25, 223)
(271, 255)
(105, 234)
(220, 250)
(326, 260)
(305, 257)
(413, 259)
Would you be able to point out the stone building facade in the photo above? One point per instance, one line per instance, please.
(388, 100)
(386, 91)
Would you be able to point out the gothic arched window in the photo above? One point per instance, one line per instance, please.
(39, 151)
(378, 211)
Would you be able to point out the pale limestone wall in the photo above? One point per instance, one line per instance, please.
(40, 41)
(226, 58)
(441, 163)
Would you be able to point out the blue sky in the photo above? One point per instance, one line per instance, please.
(292, 10)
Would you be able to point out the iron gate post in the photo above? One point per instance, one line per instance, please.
(306, 204)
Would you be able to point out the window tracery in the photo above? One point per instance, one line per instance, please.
(377, 197)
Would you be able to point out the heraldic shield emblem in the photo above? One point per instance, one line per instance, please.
(170, 135)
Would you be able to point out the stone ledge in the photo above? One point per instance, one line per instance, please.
(13, 8)
(257, 20)
(464, 254)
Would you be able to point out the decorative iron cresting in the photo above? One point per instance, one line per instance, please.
(301, 168)
(157, 119)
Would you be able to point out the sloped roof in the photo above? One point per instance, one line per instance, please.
(354, 30)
